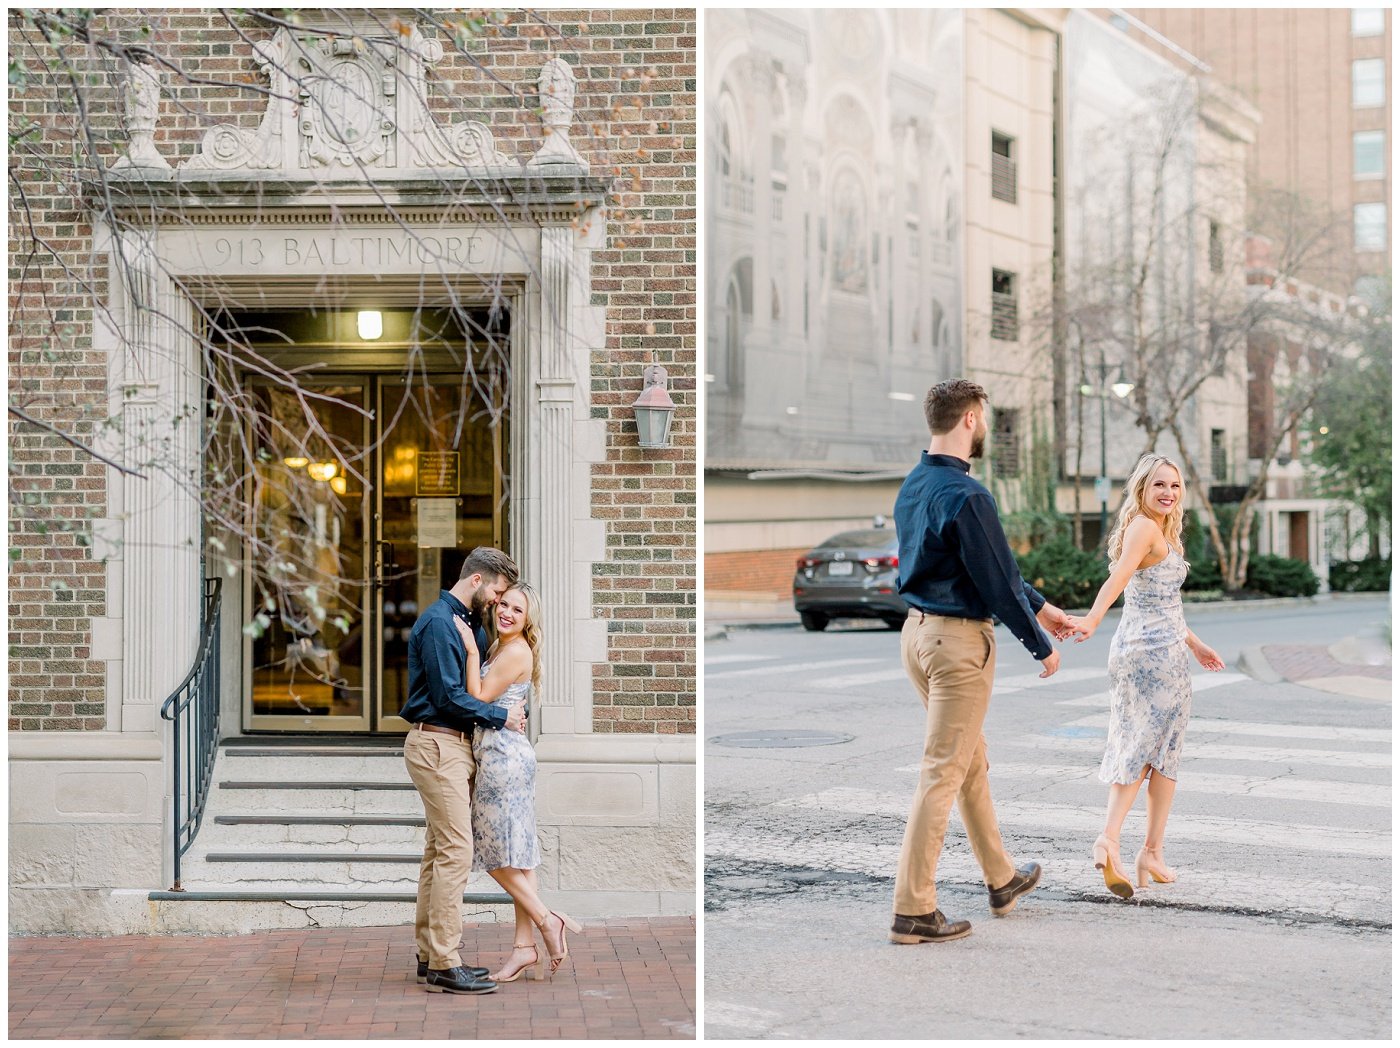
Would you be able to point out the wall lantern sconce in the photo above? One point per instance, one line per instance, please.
(370, 324)
(654, 409)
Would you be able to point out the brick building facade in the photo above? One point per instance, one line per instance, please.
(203, 207)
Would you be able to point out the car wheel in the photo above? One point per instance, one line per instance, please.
(814, 621)
(895, 622)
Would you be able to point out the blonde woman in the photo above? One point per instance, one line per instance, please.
(1149, 670)
(504, 839)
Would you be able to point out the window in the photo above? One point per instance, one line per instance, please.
(1217, 455)
(1004, 323)
(1003, 167)
(1368, 154)
(1217, 249)
(1006, 442)
(1367, 21)
(1369, 227)
(1368, 82)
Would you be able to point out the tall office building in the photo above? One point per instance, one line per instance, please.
(1320, 79)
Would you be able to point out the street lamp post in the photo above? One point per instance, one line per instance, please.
(1120, 389)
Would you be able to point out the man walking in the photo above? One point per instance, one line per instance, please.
(438, 752)
(955, 571)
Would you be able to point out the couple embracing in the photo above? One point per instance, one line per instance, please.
(956, 571)
(474, 767)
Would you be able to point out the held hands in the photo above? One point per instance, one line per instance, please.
(1083, 628)
(468, 636)
(1207, 657)
(515, 719)
(1056, 622)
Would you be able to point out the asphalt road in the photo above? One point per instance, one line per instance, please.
(1278, 927)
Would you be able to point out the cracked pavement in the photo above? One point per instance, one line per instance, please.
(1278, 927)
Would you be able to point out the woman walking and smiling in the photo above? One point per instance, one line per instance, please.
(503, 813)
(1149, 670)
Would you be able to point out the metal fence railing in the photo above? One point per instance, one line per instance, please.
(193, 710)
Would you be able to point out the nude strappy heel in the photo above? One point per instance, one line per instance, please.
(1106, 860)
(1151, 863)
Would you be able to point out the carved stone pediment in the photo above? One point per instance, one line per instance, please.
(340, 105)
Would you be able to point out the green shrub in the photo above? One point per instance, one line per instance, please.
(1280, 576)
(1370, 575)
(1064, 574)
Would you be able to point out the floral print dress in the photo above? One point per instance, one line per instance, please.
(503, 800)
(1149, 674)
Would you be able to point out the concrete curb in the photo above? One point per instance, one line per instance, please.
(1252, 663)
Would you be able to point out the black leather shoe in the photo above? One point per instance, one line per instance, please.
(931, 927)
(1003, 899)
(457, 980)
(475, 973)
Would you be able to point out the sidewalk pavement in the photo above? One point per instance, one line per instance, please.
(625, 978)
(1357, 667)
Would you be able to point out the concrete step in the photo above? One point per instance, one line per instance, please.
(234, 832)
(313, 798)
(325, 765)
(235, 911)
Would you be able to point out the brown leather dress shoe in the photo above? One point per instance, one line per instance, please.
(931, 927)
(1003, 899)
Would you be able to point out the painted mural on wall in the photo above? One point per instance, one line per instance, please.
(834, 235)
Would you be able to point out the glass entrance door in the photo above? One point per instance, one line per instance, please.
(307, 664)
(358, 525)
(443, 494)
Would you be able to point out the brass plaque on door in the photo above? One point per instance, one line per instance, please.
(438, 473)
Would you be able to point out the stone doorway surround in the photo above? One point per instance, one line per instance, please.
(253, 222)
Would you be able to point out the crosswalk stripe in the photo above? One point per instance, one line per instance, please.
(1199, 682)
(791, 667)
(1266, 787)
(855, 681)
(717, 660)
(1086, 821)
(1210, 749)
(1198, 725)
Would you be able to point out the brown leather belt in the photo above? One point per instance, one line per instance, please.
(443, 731)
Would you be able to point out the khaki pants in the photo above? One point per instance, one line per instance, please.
(442, 767)
(951, 662)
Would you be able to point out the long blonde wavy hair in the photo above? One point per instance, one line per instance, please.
(531, 631)
(1135, 502)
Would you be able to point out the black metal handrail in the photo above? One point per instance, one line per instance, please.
(195, 747)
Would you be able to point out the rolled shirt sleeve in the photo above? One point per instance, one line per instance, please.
(446, 660)
(987, 557)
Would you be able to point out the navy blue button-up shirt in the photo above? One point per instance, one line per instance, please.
(437, 671)
(953, 556)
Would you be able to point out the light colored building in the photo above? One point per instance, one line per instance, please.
(914, 172)
(1156, 221)
(470, 323)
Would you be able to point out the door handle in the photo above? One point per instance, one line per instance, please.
(384, 562)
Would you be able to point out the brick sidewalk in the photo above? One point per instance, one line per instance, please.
(625, 978)
(1305, 662)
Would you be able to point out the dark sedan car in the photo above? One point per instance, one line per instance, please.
(851, 575)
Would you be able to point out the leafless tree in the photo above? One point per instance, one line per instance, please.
(1166, 292)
